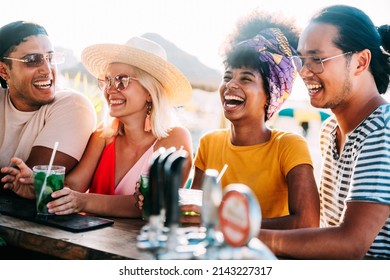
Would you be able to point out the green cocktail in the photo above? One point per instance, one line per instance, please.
(45, 184)
(145, 191)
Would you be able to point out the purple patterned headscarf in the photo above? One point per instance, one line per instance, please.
(274, 49)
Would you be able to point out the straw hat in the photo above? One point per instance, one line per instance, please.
(144, 54)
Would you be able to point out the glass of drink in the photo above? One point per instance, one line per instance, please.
(45, 184)
(145, 191)
(190, 197)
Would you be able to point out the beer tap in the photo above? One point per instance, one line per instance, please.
(158, 197)
(162, 182)
(151, 234)
(154, 235)
(177, 245)
(212, 197)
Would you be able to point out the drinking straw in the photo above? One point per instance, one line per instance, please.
(222, 172)
(53, 154)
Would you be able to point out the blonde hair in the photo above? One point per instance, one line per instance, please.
(163, 114)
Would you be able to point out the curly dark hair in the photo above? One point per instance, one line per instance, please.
(250, 25)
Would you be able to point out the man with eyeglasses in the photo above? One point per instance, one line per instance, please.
(34, 111)
(344, 62)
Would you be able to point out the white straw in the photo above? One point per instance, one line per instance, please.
(222, 172)
(53, 154)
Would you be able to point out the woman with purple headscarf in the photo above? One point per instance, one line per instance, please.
(276, 165)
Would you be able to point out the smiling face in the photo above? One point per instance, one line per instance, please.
(242, 95)
(131, 101)
(30, 87)
(332, 87)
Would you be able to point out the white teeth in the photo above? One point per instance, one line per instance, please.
(314, 86)
(233, 97)
(43, 84)
(116, 102)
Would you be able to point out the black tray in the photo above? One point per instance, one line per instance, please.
(15, 206)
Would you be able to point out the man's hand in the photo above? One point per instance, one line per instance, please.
(19, 178)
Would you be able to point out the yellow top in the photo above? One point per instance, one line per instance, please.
(262, 167)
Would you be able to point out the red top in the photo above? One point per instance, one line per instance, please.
(103, 181)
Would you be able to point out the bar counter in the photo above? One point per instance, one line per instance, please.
(116, 241)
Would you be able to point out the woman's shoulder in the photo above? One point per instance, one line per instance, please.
(178, 130)
(288, 140)
(280, 135)
(177, 136)
(98, 139)
(217, 133)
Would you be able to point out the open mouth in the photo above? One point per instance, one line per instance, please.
(116, 101)
(232, 101)
(313, 88)
(43, 84)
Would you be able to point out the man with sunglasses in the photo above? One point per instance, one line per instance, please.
(34, 111)
(344, 62)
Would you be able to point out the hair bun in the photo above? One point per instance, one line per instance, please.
(384, 31)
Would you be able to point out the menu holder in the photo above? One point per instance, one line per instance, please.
(15, 206)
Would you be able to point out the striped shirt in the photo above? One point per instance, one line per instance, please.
(360, 173)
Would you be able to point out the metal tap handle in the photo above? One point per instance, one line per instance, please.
(212, 197)
(173, 170)
(162, 178)
(155, 190)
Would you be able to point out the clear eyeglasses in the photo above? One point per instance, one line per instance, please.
(313, 63)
